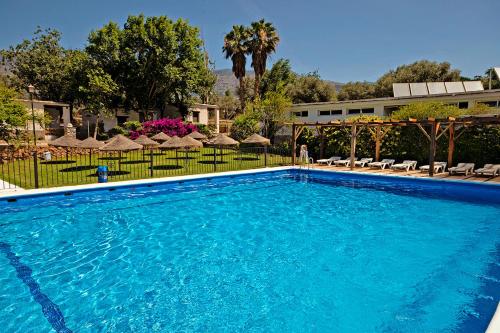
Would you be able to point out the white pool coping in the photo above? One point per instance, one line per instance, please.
(494, 326)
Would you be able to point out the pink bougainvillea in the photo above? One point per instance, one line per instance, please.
(168, 126)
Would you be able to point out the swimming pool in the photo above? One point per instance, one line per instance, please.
(275, 251)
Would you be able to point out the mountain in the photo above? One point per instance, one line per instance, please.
(227, 81)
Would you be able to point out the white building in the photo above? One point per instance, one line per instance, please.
(383, 107)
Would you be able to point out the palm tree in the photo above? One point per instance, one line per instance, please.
(236, 48)
(263, 42)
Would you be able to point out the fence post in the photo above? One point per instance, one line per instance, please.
(151, 162)
(35, 165)
(265, 156)
(215, 158)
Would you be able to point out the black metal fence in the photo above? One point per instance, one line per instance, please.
(81, 168)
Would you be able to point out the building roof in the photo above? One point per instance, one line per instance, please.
(23, 100)
(382, 99)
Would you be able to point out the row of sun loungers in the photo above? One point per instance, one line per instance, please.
(491, 170)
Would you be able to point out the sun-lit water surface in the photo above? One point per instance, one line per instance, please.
(263, 253)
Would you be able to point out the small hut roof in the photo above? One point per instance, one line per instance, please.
(146, 142)
(223, 140)
(257, 139)
(160, 137)
(65, 141)
(197, 135)
(121, 143)
(90, 143)
(3, 143)
(191, 143)
(174, 143)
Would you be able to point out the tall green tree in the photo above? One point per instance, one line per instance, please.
(279, 77)
(12, 113)
(40, 62)
(309, 88)
(236, 47)
(356, 90)
(263, 42)
(419, 71)
(153, 60)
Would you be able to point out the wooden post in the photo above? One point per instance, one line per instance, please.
(321, 143)
(378, 135)
(432, 150)
(150, 162)
(353, 145)
(451, 144)
(294, 144)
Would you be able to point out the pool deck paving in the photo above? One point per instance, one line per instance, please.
(412, 173)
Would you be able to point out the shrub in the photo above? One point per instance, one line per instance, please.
(117, 130)
(169, 126)
(132, 125)
(243, 127)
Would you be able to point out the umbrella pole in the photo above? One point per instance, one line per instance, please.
(220, 151)
(90, 157)
(67, 155)
(119, 161)
(176, 157)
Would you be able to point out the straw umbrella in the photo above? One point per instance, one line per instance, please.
(197, 136)
(222, 140)
(191, 143)
(256, 139)
(174, 143)
(66, 141)
(120, 144)
(90, 143)
(147, 143)
(160, 137)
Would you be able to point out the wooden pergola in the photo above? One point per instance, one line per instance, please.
(433, 129)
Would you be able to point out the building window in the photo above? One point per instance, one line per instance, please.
(121, 120)
(492, 104)
(463, 105)
(354, 111)
(301, 114)
(196, 117)
(324, 113)
(368, 110)
(336, 112)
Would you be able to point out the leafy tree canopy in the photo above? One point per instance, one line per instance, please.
(419, 71)
(12, 113)
(153, 60)
(309, 88)
(280, 77)
(357, 90)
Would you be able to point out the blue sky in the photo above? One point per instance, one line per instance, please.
(343, 40)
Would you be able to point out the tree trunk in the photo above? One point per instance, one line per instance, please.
(256, 92)
(242, 95)
(96, 126)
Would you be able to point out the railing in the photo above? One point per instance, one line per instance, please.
(75, 169)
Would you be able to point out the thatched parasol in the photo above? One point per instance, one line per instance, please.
(257, 140)
(197, 135)
(120, 144)
(66, 141)
(191, 142)
(90, 143)
(146, 143)
(223, 140)
(174, 143)
(160, 137)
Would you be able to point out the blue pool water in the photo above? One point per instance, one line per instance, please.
(270, 252)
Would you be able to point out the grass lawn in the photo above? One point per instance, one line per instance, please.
(80, 169)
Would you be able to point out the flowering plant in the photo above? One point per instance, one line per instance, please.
(168, 126)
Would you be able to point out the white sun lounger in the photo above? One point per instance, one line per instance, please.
(385, 163)
(438, 166)
(329, 161)
(363, 162)
(464, 168)
(406, 165)
(346, 162)
(488, 170)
